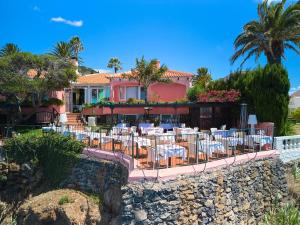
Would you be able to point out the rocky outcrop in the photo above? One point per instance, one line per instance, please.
(16, 181)
(59, 207)
(96, 176)
(100, 177)
(235, 195)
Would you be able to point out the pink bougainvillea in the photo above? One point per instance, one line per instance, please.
(219, 96)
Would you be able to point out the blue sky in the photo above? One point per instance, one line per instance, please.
(183, 34)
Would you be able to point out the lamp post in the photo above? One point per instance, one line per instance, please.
(252, 120)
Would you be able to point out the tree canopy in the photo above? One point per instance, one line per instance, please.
(9, 49)
(277, 29)
(147, 73)
(25, 77)
(114, 63)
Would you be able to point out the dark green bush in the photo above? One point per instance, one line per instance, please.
(265, 90)
(54, 153)
(270, 94)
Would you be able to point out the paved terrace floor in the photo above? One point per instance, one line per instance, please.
(136, 174)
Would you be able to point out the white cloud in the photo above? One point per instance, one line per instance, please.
(75, 23)
(36, 8)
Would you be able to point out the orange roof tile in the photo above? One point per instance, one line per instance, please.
(169, 74)
(96, 78)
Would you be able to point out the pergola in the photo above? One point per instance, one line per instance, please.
(226, 111)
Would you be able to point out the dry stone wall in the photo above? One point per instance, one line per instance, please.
(235, 195)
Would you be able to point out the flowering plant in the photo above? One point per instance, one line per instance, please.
(219, 96)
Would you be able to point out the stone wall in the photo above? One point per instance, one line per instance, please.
(235, 195)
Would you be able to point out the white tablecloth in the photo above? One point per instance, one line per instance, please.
(210, 147)
(166, 151)
(258, 139)
(231, 141)
(167, 126)
(152, 130)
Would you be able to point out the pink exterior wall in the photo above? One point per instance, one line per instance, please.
(59, 95)
(167, 92)
(160, 92)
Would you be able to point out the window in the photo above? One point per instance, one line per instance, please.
(97, 95)
(132, 92)
(143, 93)
(206, 112)
(122, 95)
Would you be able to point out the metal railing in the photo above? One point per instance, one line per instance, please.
(157, 148)
(183, 146)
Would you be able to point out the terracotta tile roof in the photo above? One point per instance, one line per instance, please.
(174, 73)
(96, 78)
(169, 74)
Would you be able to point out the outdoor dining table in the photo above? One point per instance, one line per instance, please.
(152, 130)
(221, 133)
(259, 139)
(209, 147)
(167, 126)
(120, 130)
(231, 141)
(166, 151)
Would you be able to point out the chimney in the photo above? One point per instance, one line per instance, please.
(157, 64)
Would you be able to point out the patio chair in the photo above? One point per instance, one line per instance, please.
(95, 142)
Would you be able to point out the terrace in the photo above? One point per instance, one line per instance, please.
(168, 145)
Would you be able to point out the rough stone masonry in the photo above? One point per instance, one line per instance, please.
(235, 195)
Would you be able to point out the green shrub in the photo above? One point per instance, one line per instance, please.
(63, 200)
(270, 90)
(194, 92)
(265, 90)
(296, 115)
(288, 128)
(286, 215)
(135, 101)
(54, 153)
(53, 101)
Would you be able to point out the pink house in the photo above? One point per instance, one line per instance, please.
(118, 89)
(94, 88)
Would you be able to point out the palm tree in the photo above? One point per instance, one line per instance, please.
(202, 77)
(277, 29)
(147, 73)
(62, 50)
(9, 49)
(115, 64)
(76, 47)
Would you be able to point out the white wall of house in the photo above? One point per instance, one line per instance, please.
(294, 102)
